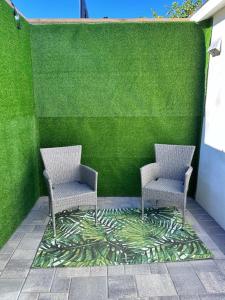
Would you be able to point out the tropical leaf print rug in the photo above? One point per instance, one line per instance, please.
(120, 237)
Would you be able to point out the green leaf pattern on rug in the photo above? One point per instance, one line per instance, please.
(120, 237)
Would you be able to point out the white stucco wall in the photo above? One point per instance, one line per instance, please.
(211, 178)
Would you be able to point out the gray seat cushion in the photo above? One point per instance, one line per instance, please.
(165, 185)
(70, 189)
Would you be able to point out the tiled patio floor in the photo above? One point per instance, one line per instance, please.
(182, 280)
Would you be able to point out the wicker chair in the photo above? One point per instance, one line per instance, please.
(70, 184)
(168, 178)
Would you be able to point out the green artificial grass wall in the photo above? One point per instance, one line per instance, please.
(116, 89)
(18, 127)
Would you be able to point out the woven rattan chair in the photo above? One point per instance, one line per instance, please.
(168, 178)
(70, 184)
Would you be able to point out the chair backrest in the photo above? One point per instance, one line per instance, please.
(173, 160)
(62, 163)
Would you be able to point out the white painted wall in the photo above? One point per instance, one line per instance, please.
(211, 178)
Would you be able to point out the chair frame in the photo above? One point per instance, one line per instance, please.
(152, 172)
(87, 175)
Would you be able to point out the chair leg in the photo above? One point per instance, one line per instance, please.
(184, 210)
(183, 222)
(53, 224)
(142, 208)
(96, 213)
(49, 207)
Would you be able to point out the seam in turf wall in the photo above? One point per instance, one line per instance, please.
(19, 186)
(117, 89)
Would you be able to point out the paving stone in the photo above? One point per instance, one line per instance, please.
(213, 297)
(25, 228)
(39, 228)
(220, 264)
(53, 296)
(190, 297)
(164, 298)
(88, 288)
(29, 243)
(132, 298)
(179, 267)
(204, 266)
(186, 281)
(99, 271)
(24, 254)
(28, 296)
(137, 269)
(215, 230)
(214, 282)
(121, 286)
(34, 235)
(16, 268)
(15, 272)
(60, 285)
(158, 268)
(217, 254)
(16, 237)
(4, 258)
(8, 248)
(10, 288)
(116, 270)
(72, 272)
(155, 285)
(39, 280)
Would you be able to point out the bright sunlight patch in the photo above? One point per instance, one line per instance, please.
(120, 237)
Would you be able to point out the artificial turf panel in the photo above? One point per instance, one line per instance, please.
(18, 127)
(117, 89)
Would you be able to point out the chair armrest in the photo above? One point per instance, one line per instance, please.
(49, 182)
(89, 176)
(187, 178)
(148, 173)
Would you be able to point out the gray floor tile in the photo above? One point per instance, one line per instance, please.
(221, 264)
(39, 280)
(29, 243)
(164, 298)
(28, 296)
(190, 297)
(214, 282)
(134, 298)
(39, 228)
(16, 268)
(16, 237)
(25, 228)
(204, 265)
(116, 270)
(99, 271)
(9, 247)
(24, 254)
(121, 286)
(137, 269)
(53, 296)
(187, 282)
(213, 297)
(158, 268)
(10, 288)
(72, 272)
(4, 258)
(155, 285)
(179, 267)
(60, 285)
(88, 288)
